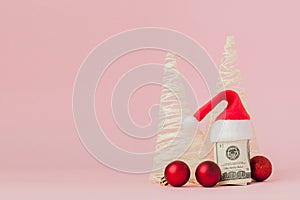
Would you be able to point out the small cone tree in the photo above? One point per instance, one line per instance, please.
(174, 107)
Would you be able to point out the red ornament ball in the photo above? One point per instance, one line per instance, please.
(177, 173)
(261, 168)
(208, 174)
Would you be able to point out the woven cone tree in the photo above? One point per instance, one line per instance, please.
(174, 107)
(230, 78)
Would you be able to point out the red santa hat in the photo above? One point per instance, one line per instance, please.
(233, 123)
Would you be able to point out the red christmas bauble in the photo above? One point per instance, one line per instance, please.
(261, 168)
(208, 174)
(177, 173)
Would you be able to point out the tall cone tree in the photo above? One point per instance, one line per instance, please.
(230, 78)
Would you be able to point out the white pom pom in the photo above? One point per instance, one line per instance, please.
(189, 124)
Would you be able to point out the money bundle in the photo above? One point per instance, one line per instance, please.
(230, 134)
(233, 159)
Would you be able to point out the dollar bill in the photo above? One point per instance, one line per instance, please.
(233, 159)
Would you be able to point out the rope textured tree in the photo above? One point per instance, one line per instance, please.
(174, 107)
(230, 78)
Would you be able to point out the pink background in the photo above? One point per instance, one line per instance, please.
(43, 43)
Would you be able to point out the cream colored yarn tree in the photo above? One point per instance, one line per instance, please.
(230, 78)
(174, 107)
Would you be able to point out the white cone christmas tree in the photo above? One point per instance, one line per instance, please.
(230, 78)
(174, 107)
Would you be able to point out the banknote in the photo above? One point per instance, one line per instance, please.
(233, 159)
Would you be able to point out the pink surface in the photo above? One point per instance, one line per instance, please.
(43, 43)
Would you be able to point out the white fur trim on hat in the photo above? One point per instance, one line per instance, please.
(230, 130)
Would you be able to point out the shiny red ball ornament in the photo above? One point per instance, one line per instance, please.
(261, 168)
(177, 173)
(208, 174)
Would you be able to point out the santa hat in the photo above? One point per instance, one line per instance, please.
(233, 123)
